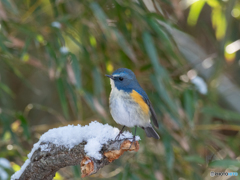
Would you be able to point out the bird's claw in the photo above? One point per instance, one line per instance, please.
(118, 136)
(133, 141)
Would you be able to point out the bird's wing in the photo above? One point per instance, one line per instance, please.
(154, 116)
(148, 102)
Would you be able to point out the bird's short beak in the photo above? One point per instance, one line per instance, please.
(110, 76)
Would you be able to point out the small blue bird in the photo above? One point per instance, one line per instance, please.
(129, 104)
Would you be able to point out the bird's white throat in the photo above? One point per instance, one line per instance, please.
(112, 84)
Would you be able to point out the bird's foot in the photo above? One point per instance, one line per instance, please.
(118, 136)
(133, 141)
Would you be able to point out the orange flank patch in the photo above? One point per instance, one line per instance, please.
(138, 99)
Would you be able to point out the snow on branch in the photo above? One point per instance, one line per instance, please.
(92, 146)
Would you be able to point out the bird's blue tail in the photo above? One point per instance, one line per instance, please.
(151, 132)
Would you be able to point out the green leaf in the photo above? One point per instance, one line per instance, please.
(165, 40)
(24, 51)
(93, 41)
(98, 82)
(6, 121)
(63, 99)
(152, 53)
(188, 103)
(125, 46)
(195, 159)
(219, 22)
(213, 3)
(194, 12)
(52, 54)
(24, 124)
(73, 97)
(76, 70)
(101, 16)
(221, 113)
(225, 163)
(2, 45)
(6, 89)
(168, 151)
(165, 98)
(89, 99)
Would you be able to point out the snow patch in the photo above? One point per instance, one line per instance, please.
(64, 50)
(3, 174)
(4, 163)
(56, 24)
(200, 84)
(88, 161)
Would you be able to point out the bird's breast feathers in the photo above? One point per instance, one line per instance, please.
(133, 96)
(129, 108)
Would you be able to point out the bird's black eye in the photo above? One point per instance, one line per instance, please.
(120, 78)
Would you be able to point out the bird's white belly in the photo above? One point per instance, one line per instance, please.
(125, 111)
(120, 112)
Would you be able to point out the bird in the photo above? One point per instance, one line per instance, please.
(129, 103)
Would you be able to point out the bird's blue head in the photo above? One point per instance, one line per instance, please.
(123, 79)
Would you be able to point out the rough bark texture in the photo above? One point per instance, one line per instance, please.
(44, 165)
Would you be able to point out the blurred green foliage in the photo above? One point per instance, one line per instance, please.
(53, 57)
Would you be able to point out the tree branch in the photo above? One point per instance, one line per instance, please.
(44, 164)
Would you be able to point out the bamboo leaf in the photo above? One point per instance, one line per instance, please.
(125, 46)
(98, 82)
(220, 113)
(76, 70)
(225, 163)
(152, 53)
(24, 124)
(6, 89)
(169, 151)
(188, 104)
(62, 96)
(195, 159)
(102, 18)
(194, 12)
